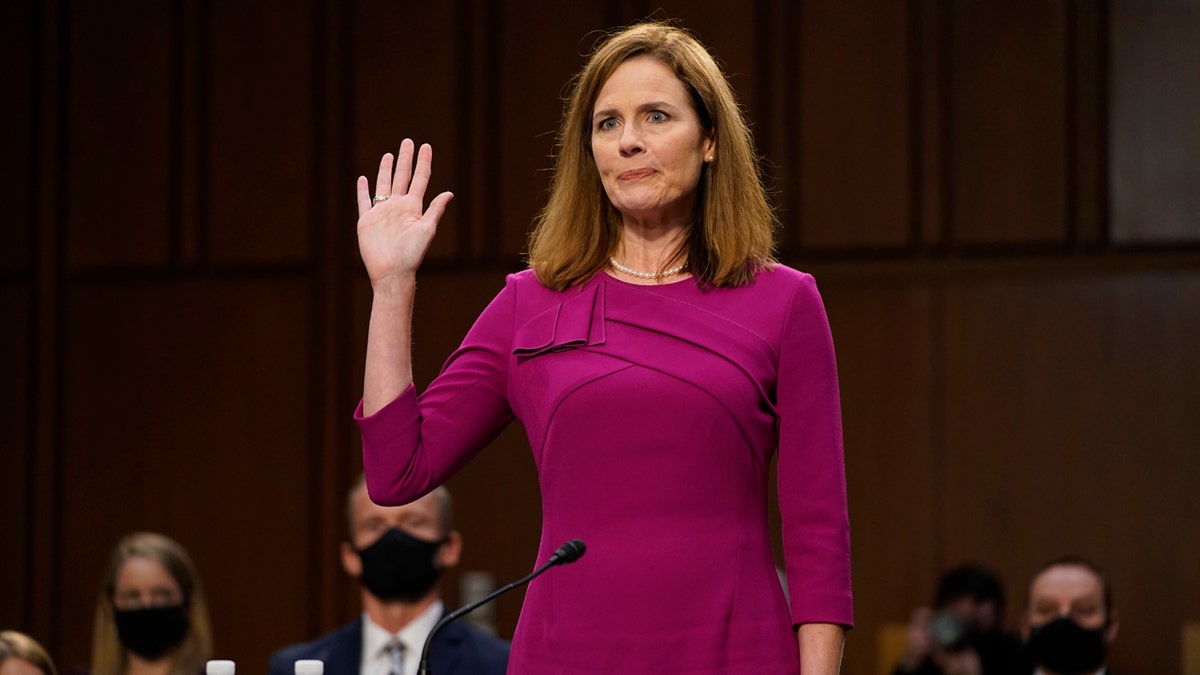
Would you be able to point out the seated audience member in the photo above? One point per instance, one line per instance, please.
(22, 655)
(964, 633)
(1071, 621)
(398, 554)
(151, 617)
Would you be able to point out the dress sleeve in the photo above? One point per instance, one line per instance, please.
(415, 443)
(811, 467)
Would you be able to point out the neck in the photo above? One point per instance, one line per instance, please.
(394, 615)
(651, 251)
(140, 666)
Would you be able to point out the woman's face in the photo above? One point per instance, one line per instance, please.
(144, 582)
(18, 666)
(648, 144)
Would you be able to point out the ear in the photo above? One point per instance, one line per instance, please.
(709, 146)
(1025, 627)
(451, 551)
(350, 560)
(1110, 632)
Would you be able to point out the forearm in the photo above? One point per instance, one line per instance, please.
(821, 648)
(389, 345)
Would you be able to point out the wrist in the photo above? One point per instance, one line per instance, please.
(394, 287)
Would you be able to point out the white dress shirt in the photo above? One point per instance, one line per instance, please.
(375, 657)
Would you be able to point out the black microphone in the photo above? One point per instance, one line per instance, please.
(567, 553)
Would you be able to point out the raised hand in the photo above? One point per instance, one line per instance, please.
(394, 228)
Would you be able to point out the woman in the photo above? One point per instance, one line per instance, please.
(657, 356)
(22, 655)
(151, 618)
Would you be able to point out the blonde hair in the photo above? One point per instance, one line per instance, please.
(14, 645)
(109, 657)
(579, 229)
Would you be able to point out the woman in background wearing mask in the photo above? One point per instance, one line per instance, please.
(151, 618)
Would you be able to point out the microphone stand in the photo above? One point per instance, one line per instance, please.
(567, 553)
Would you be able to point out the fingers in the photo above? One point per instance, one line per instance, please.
(383, 180)
(420, 179)
(397, 177)
(363, 196)
(438, 206)
(403, 167)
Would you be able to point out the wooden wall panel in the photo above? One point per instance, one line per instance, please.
(886, 344)
(406, 68)
(537, 52)
(1008, 93)
(1070, 410)
(185, 413)
(118, 133)
(1153, 134)
(16, 466)
(18, 25)
(736, 40)
(852, 130)
(263, 61)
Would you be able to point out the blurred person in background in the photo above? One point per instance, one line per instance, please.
(963, 634)
(398, 554)
(151, 617)
(22, 655)
(1070, 622)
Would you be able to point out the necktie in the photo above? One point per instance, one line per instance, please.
(395, 650)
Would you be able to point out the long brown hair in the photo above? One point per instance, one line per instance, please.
(579, 229)
(109, 657)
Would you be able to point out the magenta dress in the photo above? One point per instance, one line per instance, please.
(652, 413)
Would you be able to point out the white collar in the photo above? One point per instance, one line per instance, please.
(376, 639)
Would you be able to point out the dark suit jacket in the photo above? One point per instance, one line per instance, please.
(458, 649)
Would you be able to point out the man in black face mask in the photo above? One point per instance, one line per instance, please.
(1070, 621)
(398, 554)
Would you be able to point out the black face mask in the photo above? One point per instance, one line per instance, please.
(399, 566)
(151, 632)
(1064, 647)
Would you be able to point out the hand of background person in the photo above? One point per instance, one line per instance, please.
(919, 641)
(394, 234)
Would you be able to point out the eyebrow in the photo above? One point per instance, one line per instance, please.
(645, 107)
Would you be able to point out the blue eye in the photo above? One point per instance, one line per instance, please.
(658, 116)
(608, 123)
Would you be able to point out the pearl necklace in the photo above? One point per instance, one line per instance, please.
(646, 275)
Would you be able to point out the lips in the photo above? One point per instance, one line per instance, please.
(635, 174)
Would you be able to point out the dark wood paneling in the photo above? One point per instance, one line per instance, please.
(540, 48)
(264, 58)
(734, 37)
(1153, 133)
(853, 135)
(1070, 409)
(16, 467)
(406, 71)
(119, 145)
(186, 414)
(18, 26)
(1008, 90)
(886, 342)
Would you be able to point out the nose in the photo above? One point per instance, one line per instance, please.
(631, 141)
